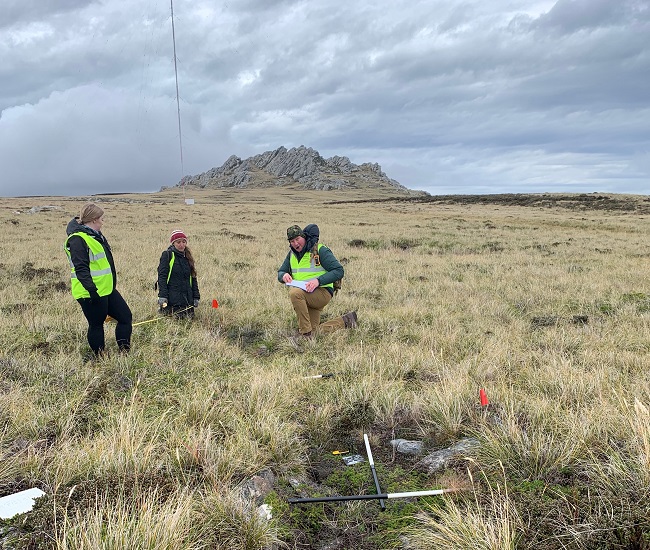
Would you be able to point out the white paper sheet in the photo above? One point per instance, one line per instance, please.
(18, 503)
(299, 284)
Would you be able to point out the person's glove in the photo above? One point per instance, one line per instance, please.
(196, 302)
(162, 302)
(94, 297)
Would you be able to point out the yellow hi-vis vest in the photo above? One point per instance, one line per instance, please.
(306, 268)
(100, 269)
(171, 264)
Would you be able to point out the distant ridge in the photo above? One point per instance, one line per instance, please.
(579, 202)
(301, 165)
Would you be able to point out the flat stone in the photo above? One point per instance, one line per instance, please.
(439, 460)
(406, 447)
(257, 487)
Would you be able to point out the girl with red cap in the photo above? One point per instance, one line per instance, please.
(178, 288)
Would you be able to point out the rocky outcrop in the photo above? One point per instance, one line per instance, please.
(302, 165)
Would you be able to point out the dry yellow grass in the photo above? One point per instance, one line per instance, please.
(547, 309)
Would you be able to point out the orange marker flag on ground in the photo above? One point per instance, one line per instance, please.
(215, 304)
(483, 396)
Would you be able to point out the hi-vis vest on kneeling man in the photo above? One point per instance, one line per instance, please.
(100, 269)
(306, 268)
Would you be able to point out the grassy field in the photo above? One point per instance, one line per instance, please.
(547, 308)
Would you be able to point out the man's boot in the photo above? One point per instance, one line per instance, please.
(350, 319)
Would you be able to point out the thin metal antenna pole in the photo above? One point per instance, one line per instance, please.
(178, 103)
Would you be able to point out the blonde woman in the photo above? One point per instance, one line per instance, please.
(94, 281)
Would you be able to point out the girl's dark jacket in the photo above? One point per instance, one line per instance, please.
(79, 254)
(327, 259)
(178, 291)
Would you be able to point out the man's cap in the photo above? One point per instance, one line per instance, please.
(295, 231)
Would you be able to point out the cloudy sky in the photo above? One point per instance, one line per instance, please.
(449, 96)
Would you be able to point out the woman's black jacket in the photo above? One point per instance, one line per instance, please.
(178, 291)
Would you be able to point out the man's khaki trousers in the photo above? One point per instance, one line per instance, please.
(308, 307)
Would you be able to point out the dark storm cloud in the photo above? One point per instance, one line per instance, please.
(516, 94)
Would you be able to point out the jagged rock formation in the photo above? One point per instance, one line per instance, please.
(302, 165)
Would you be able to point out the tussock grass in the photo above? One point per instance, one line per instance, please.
(140, 521)
(546, 309)
(488, 522)
(229, 522)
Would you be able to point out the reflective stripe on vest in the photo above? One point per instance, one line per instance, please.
(100, 268)
(306, 268)
(171, 263)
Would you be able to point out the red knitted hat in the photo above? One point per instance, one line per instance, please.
(177, 234)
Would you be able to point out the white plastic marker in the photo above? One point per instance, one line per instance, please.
(18, 503)
(372, 469)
